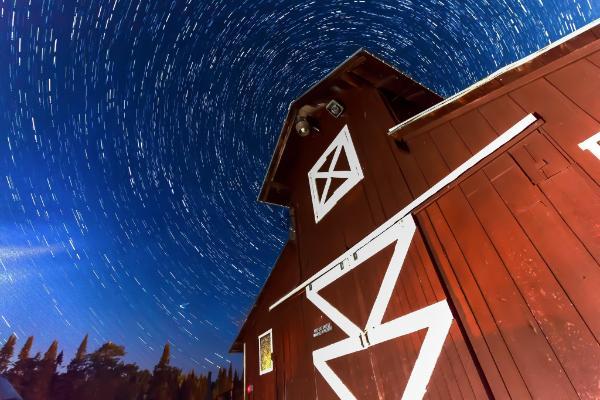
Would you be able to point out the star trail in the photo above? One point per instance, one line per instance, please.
(134, 137)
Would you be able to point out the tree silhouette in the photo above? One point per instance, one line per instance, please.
(189, 387)
(165, 359)
(23, 368)
(165, 381)
(209, 385)
(38, 388)
(6, 353)
(81, 352)
(69, 383)
(103, 375)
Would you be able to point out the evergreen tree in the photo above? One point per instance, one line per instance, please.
(52, 353)
(202, 390)
(164, 384)
(238, 386)
(189, 388)
(224, 384)
(45, 370)
(209, 386)
(230, 377)
(219, 386)
(6, 353)
(104, 373)
(77, 362)
(69, 383)
(166, 356)
(23, 369)
(59, 359)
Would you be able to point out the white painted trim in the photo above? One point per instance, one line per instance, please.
(436, 318)
(322, 204)
(493, 76)
(260, 370)
(476, 158)
(245, 395)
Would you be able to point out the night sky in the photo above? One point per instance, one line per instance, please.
(134, 137)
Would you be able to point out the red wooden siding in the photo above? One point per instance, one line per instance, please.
(523, 233)
(513, 245)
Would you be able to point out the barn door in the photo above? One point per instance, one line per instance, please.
(383, 327)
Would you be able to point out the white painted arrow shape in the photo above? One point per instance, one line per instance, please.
(436, 318)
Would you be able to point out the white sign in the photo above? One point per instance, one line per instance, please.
(322, 329)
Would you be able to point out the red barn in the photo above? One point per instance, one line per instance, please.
(447, 249)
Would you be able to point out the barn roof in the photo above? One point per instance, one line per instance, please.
(362, 68)
(365, 67)
(501, 78)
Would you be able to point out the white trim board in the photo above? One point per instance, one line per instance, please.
(504, 138)
(493, 76)
(244, 366)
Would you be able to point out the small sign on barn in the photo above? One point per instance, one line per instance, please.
(443, 249)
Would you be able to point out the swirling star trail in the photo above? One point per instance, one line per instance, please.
(134, 136)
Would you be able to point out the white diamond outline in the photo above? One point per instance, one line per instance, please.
(437, 317)
(322, 205)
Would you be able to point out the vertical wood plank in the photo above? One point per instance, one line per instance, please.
(376, 156)
(529, 349)
(502, 113)
(580, 82)
(492, 352)
(568, 336)
(570, 262)
(579, 205)
(595, 58)
(433, 292)
(474, 130)
(450, 145)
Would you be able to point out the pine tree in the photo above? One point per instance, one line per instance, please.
(164, 384)
(189, 387)
(209, 386)
(223, 384)
(77, 361)
(46, 370)
(52, 353)
(6, 353)
(230, 377)
(238, 386)
(23, 369)
(166, 356)
(104, 373)
(202, 388)
(73, 380)
(24, 353)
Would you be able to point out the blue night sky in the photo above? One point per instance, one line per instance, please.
(135, 134)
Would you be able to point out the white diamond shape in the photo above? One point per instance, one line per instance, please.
(436, 317)
(324, 202)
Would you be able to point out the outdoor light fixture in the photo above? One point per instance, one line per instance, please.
(334, 108)
(302, 126)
